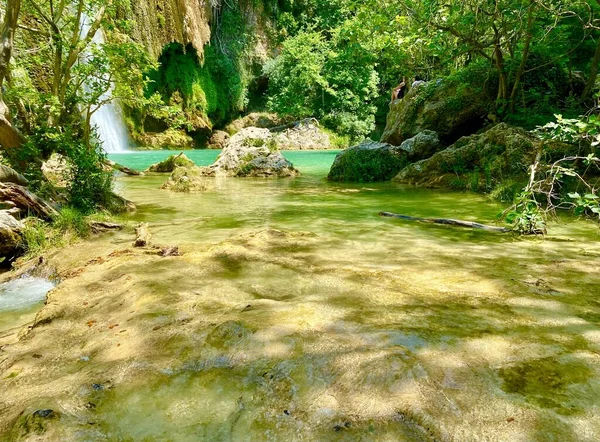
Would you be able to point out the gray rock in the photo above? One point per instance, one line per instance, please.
(422, 146)
(451, 109)
(218, 139)
(252, 152)
(303, 135)
(9, 175)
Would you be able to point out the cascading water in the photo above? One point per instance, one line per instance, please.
(108, 119)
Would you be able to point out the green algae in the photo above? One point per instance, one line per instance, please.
(546, 382)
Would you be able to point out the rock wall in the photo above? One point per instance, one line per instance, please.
(159, 22)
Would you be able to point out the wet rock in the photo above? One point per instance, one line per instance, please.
(9, 175)
(252, 152)
(302, 135)
(35, 423)
(368, 161)
(450, 108)
(171, 163)
(228, 334)
(170, 251)
(142, 235)
(10, 237)
(502, 151)
(218, 139)
(187, 179)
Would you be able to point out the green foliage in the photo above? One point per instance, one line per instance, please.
(254, 142)
(334, 80)
(71, 219)
(90, 185)
(526, 217)
(35, 238)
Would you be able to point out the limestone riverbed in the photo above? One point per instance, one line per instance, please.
(296, 313)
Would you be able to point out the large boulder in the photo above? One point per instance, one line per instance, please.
(450, 108)
(261, 120)
(10, 237)
(171, 163)
(58, 170)
(368, 161)
(373, 161)
(252, 152)
(422, 146)
(8, 175)
(501, 152)
(303, 135)
(218, 139)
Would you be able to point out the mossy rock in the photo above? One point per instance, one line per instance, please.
(187, 179)
(368, 161)
(501, 152)
(451, 109)
(171, 163)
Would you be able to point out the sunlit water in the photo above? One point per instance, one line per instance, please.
(297, 313)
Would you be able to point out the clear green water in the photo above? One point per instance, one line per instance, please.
(296, 313)
(312, 162)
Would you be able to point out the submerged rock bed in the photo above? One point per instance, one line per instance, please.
(328, 324)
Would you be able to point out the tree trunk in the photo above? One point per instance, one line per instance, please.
(525, 56)
(589, 86)
(9, 136)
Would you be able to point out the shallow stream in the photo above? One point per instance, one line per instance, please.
(297, 313)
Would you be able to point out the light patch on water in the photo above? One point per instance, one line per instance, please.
(23, 292)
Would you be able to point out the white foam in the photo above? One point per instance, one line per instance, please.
(23, 292)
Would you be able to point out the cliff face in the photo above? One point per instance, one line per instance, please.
(159, 22)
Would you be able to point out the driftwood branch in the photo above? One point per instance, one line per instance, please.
(123, 169)
(103, 226)
(26, 201)
(448, 222)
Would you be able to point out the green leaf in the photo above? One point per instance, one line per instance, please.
(574, 195)
(590, 196)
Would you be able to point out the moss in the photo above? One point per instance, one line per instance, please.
(545, 382)
(253, 142)
(366, 165)
(171, 163)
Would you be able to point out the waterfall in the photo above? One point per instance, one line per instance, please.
(108, 119)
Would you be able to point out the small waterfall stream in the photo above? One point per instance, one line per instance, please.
(108, 119)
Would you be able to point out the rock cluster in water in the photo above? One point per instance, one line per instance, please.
(500, 152)
(252, 152)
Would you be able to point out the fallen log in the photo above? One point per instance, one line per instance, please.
(448, 221)
(27, 202)
(123, 169)
(142, 235)
(103, 226)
